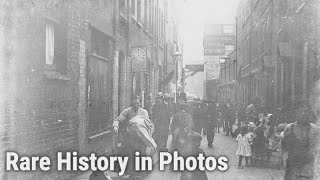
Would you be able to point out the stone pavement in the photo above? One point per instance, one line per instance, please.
(222, 146)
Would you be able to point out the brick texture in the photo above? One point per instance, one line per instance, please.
(44, 110)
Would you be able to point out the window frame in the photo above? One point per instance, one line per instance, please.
(48, 23)
(57, 26)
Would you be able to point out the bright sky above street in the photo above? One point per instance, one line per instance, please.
(197, 13)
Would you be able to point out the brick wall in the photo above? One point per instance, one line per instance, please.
(45, 111)
(43, 116)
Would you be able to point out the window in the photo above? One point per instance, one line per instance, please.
(55, 47)
(49, 43)
(228, 29)
(229, 49)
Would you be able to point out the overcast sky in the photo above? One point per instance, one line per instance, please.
(195, 14)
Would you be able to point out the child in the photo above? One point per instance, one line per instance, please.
(244, 149)
(195, 142)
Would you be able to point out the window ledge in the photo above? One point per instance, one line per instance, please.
(99, 57)
(99, 135)
(55, 75)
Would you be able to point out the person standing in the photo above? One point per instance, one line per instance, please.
(168, 100)
(180, 126)
(202, 116)
(129, 113)
(300, 140)
(259, 145)
(244, 149)
(160, 114)
(194, 142)
(181, 119)
(130, 143)
(227, 118)
(197, 117)
(211, 122)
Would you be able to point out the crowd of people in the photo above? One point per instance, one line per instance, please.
(262, 133)
(259, 133)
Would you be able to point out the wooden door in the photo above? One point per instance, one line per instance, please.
(99, 100)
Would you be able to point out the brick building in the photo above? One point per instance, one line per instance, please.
(278, 54)
(254, 36)
(219, 40)
(66, 72)
(276, 45)
(228, 78)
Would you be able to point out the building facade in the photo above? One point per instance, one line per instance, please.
(219, 40)
(254, 36)
(228, 79)
(278, 55)
(67, 73)
(273, 51)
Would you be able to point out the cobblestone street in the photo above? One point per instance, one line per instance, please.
(222, 146)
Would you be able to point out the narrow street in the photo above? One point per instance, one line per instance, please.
(222, 146)
(80, 77)
(226, 146)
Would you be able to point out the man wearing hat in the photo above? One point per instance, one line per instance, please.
(160, 116)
